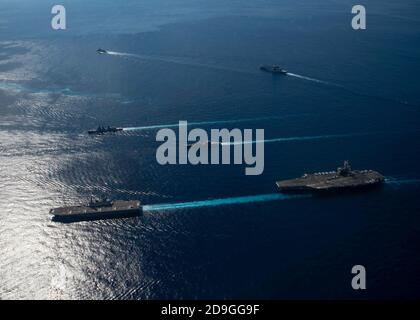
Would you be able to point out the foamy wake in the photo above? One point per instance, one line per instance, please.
(313, 79)
(286, 139)
(176, 60)
(222, 202)
(198, 123)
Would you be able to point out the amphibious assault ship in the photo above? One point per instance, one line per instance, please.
(344, 178)
(103, 130)
(273, 69)
(97, 209)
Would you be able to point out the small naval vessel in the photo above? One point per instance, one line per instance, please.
(103, 130)
(101, 51)
(97, 209)
(273, 69)
(344, 178)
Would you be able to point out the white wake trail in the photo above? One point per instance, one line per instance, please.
(287, 139)
(198, 123)
(312, 79)
(176, 60)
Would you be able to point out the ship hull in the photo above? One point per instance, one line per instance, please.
(273, 71)
(119, 209)
(96, 132)
(331, 190)
(96, 216)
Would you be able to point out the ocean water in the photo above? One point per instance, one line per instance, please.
(208, 231)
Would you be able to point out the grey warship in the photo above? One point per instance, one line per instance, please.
(273, 69)
(97, 209)
(342, 179)
(102, 130)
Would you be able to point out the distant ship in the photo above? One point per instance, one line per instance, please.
(273, 69)
(344, 178)
(101, 51)
(102, 130)
(97, 209)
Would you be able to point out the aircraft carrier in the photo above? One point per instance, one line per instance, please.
(342, 179)
(97, 209)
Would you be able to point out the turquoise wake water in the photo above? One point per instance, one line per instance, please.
(222, 202)
(247, 199)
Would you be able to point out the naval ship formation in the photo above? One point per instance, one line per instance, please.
(344, 178)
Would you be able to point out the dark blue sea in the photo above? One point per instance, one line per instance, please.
(208, 231)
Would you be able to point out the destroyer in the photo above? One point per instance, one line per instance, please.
(273, 69)
(97, 209)
(102, 130)
(344, 178)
